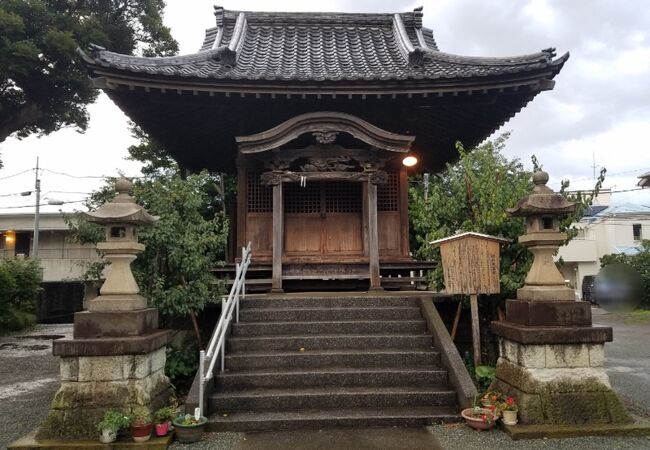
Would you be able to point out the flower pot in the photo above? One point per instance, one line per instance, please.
(189, 433)
(141, 432)
(509, 417)
(474, 417)
(162, 429)
(107, 436)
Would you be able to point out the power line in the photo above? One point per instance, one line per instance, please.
(15, 194)
(75, 176)
(16, 174)
(33, 206)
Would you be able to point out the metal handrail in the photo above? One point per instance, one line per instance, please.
(216, 345)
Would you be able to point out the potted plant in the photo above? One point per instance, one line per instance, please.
(485, 413)
(188, 428)
(479, 418)
(141, 425)
(111, 423)
(162, 417)
(509, 410)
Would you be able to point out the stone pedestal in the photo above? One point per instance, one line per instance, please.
(115, 361)
(91, 385)
(557, 374)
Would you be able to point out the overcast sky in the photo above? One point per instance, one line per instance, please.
(600, 107)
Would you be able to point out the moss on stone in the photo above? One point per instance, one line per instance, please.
(617, 411)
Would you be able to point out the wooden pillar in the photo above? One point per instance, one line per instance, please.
(278, 235)
(373, 238)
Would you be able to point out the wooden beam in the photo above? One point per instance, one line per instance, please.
(373, 238)
(278, 234)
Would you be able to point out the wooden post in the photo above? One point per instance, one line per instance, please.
(454, 328)
(278, 235)
(373, 238)
(476, 332)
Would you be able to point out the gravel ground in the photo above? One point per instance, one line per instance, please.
(29, 377)
(461, 437)
(212, 441)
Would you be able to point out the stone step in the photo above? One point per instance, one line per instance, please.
(328, 314)
(330, 397)
(333, 357)
(333, 300)
(329, 341)
(327, 418)
(334, 376)
(328, 327)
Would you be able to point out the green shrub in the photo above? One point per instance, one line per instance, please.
(182, 363)
(20, 283)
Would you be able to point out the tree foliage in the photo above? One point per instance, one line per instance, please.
(189, 239)
(43, 87)
(640, 262)
(20, 283)
(472, 195)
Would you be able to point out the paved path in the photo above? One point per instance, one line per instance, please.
(627, 359)
(29, 377)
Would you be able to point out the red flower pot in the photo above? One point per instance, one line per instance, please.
(141, 432)
(162, 429)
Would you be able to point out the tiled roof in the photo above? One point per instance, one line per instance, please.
(593, 210)
(322, 47)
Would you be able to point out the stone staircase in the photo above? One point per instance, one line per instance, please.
(326, 360)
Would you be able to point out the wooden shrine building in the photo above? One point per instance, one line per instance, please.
(315, 114)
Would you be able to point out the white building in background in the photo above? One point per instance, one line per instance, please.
(61, 259)
(602, 231)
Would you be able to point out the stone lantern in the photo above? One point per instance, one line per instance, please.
(543, 210)
(551, 357)
(120, 217)
(116, 358)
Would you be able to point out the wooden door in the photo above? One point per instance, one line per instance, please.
(323, 219)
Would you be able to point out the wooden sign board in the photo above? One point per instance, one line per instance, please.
(470, 263)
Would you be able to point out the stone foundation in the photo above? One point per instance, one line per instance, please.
(90, 385)
(558, 383)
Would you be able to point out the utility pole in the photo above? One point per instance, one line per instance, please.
(37, 213)
(594, 166)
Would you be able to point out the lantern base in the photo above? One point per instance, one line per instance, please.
(546, 293)
(89, 324)
(548, 314)
(117, 303)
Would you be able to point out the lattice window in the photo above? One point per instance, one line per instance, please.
(388, 193)
(260, 197)
(302, 200)
(342, 197)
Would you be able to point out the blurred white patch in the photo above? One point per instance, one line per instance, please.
(16, 389)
